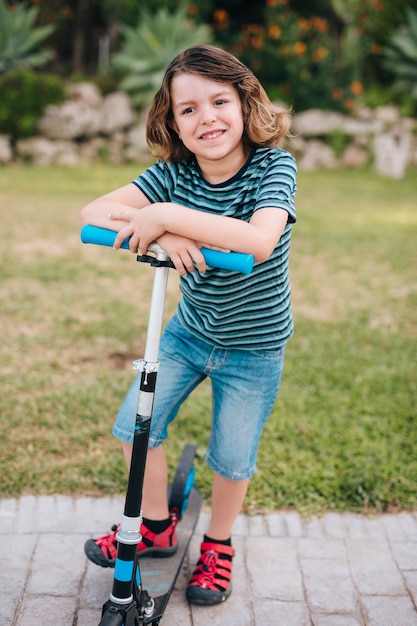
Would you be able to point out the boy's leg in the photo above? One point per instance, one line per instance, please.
(226, 503)
(245, 386)
(177, 377)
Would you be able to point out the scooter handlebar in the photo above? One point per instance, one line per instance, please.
(235, 261)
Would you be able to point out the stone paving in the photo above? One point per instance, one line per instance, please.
(337, 570)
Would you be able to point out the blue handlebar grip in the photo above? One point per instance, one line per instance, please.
(235, 261)
(100, 236)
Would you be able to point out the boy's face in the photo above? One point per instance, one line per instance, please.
(207, 117)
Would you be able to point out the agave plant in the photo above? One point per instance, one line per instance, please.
(401, 55)
(20, 39)
(150, 46)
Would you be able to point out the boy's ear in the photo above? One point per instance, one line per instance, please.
(172, 124)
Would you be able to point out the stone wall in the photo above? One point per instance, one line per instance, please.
(325, 139)
(89, 127)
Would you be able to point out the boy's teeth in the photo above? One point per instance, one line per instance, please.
(211, 135)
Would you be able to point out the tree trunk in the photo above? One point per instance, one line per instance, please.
(81, 27)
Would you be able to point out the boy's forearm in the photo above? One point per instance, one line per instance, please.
(97, 214)
(217, 230)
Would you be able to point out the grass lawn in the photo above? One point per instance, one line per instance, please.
(343, 434)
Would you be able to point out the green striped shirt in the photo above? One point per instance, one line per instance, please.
(223, 307)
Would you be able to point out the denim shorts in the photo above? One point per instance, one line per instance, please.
(244, 388)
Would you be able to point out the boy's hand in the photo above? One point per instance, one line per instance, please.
(184, 253)
(143, 226)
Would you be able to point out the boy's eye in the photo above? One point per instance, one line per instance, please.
(216, 103)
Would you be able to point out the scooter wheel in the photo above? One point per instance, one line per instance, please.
(183, 481)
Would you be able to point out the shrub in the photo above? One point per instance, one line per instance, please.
(294, 57)
(24, 96)
(20, 39)
(401, 55)
(151, 45)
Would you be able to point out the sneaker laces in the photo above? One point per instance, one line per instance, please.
(208, 563)
(214, 567)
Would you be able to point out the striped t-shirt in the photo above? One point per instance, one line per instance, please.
(223, 307)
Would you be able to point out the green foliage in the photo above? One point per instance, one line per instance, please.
(296, 59)
(150, 46)
(338, 141)
(20, 39)
(359, 19)
(376, 95)
(24, 95)
(401, 55)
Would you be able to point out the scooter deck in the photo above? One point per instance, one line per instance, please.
(159, 575)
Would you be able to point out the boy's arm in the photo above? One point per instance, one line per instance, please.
(97, 212)
(258, 237)
(184, 252)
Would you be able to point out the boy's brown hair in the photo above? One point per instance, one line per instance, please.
(264, 124)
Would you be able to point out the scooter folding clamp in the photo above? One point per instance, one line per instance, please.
(141, 365)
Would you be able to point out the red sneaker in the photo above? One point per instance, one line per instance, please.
(103, 550)
(211, 579)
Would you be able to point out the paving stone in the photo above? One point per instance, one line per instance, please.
(65, 520)
(409, 525)
(334, 526)
(405, 554)
(294, 523)
(373, 568)
(329, 586)
(7, 515)
(256, 525)
(240, 527)
(393, 528)
(96, 516)
(314, 529)
(96, 586)
(56, 568)
(411, 584)
(356, 526)
(26, 515)
(336, 620)
(374, 528)
(221, 615)
(278, 613)
(322, 548)
(274, 570)
(15, 559)
(389, 611)
(42, 610)
(276, 525)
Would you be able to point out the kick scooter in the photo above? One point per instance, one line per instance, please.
(130, 604)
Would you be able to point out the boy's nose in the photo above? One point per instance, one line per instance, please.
(208, 116)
